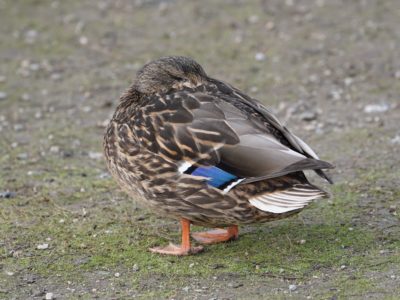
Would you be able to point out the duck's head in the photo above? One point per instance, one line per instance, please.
(163, 73)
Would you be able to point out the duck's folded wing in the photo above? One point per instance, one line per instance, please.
(294, 141)
(259, 153)
(200, 129)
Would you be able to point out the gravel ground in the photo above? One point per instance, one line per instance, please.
(329, 69)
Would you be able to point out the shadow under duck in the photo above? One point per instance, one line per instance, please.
(199, 150)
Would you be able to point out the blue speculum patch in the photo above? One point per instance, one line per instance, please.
(216, 177)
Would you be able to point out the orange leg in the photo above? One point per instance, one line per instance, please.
(217, 235)
(185, 248)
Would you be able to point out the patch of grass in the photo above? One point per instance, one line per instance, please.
(109, 236)
(110, 239)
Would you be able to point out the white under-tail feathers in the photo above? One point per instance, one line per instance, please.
(284, 201)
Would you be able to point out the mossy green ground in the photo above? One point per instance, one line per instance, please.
(344, 247)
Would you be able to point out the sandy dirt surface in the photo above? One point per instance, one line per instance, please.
(329, 69)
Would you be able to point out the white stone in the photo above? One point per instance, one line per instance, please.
(42, 246)
(259, 56)
(83, 40)
(376, 108)
(395, 140)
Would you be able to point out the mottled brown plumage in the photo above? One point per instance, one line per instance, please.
(194, 148)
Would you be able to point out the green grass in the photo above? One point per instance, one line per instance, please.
(101, 229)
(110, 239)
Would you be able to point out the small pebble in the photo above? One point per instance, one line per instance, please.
(348, 81)
(259, 56)
(313, 78)
(42, 246)
(38, 293)
(30, 36)
(54, 149)
(235, 285)
(254, 89)
(269, 25)
(117, 274)
(38, 115)
(34, 67)
(87, 109)
(217, 266)
(49, 296)
(292, 287)
(395, 140)
(7, 194)
(336, 94)
(308, 116)
(185, 289)
(29, 278)
(342, 267)
(22, 156)
(68, 153)
(3, 95)
(253, 19)
(18, 127)
(376, 108)
(135, 268)
(83, 40)
(55, 76)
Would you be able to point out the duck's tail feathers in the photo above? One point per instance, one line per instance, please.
(283, 201)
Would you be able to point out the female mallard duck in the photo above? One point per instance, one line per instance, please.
(199, 150)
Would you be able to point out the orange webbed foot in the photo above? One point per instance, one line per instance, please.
(216, 235)
(185, 248)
